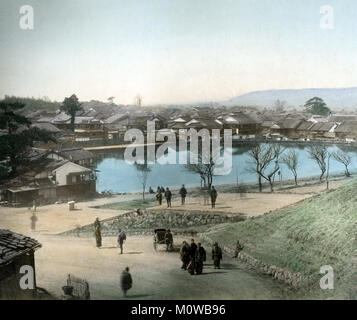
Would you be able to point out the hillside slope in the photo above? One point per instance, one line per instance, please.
(315, 232)
(334, 97)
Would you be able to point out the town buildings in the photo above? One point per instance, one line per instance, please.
(51, 181)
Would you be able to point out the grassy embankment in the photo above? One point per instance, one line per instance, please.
(315, 232)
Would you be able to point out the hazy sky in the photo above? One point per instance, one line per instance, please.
(174, 51)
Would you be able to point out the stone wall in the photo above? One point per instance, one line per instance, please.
(294, 279)
(144, 222)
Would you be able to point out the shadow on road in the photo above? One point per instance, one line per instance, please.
(137, 296)
(214, 272)
(132, 252)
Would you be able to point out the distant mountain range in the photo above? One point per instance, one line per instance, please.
(334, 97)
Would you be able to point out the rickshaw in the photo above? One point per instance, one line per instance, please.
(159, 237)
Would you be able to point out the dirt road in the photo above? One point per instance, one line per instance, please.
(156, 275)
(57, 218)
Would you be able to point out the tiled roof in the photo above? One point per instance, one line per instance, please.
(84, 120)
(267, 123)
(46, 126)
(76, 154)
(342, 118)
(14, 244)
(304, 125)
(244, 118)
(289, 123)
(62, 117)
(322, 126)
(347, 127)
(116, 117)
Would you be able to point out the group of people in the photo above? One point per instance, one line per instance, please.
(183, 193)
(193, 256)
(126, 280)
(167, 194)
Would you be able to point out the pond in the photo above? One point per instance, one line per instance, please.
(116, 175)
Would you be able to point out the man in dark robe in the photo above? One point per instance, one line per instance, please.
(126, 281)
(121, 239)
(216, 256)
(200, 257)
(191, 265)
(213, 194)
(33, 221)
(169, 240)
(168, 196)
(97, 233)
(183, 193)
(185, 255)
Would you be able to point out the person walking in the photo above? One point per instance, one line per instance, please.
(168, 196)
(169, 240)
(239, 248)
(183, 193)
(191, 265)
(97, 233)
(33, 221)
(213, 194)
(121, 239)
(126, 281)
(159, 197)
(200, 257)
(216, 256)
(185, 255)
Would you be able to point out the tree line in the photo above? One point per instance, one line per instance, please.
(266, 161)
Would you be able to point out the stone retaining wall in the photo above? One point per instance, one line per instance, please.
(294, 279)
(144, 222)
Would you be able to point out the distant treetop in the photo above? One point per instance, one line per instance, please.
(317, 106)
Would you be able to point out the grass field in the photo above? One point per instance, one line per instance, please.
(315, 232)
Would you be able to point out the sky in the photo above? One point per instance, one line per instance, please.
(174, 51)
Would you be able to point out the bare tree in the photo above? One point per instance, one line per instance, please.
(205, 170)
(291, 160)
(265, 162)
(344, 158)
(320, 155)
(143, 173)
(204, 167)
